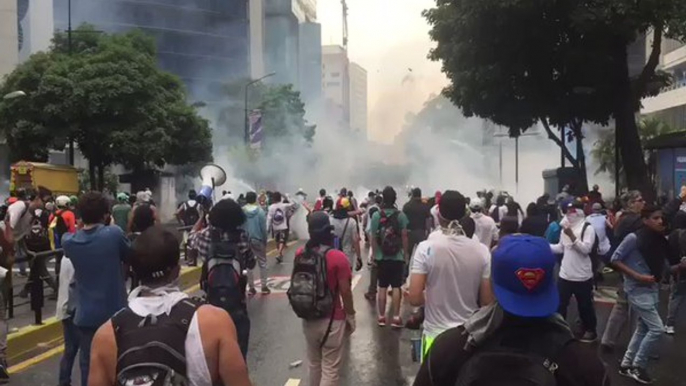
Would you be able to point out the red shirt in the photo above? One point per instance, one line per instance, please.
(337, 268)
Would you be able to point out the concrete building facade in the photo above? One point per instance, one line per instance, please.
(670, 104)
(336, 85)
(358, 98)
(205, 42)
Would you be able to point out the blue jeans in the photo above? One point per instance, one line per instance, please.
(85, 339)
(649, 328)
(71, 348)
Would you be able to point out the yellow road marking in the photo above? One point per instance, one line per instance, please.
(292, 382)
(22, 366)
(36, 360)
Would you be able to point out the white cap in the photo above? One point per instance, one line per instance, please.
(62, 201)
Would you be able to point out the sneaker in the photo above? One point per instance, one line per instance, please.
(397, 322)
(252, 291)
(4, 375)
(266, 291)
(641, 376)
(279, 259)
(381, 321)
(589, 337)
(626, 371)
(669, 330)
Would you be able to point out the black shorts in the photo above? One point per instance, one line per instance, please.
(390, 273)
(281, 236)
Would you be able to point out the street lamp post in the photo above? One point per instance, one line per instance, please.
(246, 128)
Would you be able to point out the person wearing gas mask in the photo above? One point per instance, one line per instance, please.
(576, 269)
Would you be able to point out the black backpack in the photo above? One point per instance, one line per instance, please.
(60, 225)
(191, 214)
(38, 238)
(151, 350)
(388, 234)
(222, 278)
(594, 255)
(309, 293)
(516, 356)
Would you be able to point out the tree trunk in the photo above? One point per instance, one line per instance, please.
(580, 157)
(630, 147)
(91, 174)
(101, 177)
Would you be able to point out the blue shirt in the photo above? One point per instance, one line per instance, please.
(627, 252)
(97, 256)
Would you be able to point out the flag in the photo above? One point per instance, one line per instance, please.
(256, 133)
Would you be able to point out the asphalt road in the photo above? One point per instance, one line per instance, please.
(374, 356)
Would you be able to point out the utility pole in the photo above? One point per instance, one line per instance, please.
(69, 48)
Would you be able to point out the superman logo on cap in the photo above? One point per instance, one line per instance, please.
(530, 277)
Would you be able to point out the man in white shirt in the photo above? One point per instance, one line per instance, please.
(486, 230)
(277, 222)
(450, 273)
(576, 270)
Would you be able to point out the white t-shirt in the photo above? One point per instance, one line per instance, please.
(576, 264)
(485, 229)
(19, 219)
(434, 215)
(347, 235)
(598, 221)
(279, 222)
(454, 267)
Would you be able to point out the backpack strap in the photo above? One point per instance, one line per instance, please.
(335, 297)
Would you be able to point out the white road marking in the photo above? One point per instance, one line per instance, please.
(292, 382)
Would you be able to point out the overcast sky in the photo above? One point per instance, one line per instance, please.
(388, 38)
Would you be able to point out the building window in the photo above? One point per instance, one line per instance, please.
(333, 84)
(335, 74)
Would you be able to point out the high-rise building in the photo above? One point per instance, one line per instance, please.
(358, 98)
(206, 43)
(670, 105)
(282, 37)
(336, 85)
(311, 65)
(35, 28)
(8, 37)
(256, 17)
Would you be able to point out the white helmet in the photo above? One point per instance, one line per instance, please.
(62, 201)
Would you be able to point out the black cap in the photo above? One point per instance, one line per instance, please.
(319, 223)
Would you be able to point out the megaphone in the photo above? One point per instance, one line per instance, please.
(212, 175)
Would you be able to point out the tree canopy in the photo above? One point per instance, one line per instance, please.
(561, 63)
(108, 94)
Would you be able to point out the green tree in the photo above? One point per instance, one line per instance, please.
(108, 94)
(561, 63)
(283, 112)
(603, 151)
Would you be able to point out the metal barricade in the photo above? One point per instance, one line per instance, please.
(35, 285)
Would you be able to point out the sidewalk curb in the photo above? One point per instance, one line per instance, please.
(31, 340)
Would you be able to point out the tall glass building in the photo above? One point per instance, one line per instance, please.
(205, 42)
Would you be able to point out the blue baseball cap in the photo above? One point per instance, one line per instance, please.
(522, 276)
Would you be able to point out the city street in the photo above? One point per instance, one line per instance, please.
(375, 356)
